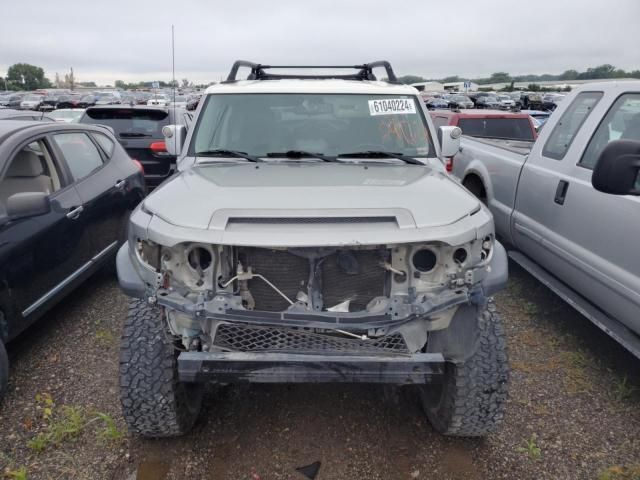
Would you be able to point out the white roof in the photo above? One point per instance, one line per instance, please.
(312, 86)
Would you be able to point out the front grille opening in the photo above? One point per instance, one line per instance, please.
(354, 275)
(249, 338)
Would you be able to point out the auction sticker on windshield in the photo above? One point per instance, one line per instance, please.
(392, 106)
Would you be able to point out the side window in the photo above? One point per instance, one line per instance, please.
(79, 151)
(572, 119)
(622, 121)
(105, 143)
(32, 169)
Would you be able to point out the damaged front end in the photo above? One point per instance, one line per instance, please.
(313, 314)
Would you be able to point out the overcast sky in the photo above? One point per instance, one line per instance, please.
(131, 40)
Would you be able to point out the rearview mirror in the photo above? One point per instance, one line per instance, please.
(449, 140)
(617, 168)
(28, 204)
(174, 136)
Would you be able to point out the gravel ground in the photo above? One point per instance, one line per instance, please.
(573, 410)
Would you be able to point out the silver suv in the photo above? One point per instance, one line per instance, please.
(312, 234)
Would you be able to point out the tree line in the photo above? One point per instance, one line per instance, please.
(594, 73)
(23, 76)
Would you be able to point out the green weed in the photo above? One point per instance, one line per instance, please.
(531, 448)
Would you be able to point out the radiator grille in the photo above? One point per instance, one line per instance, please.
(245, 338)
(362, 286)
(363, 280)
(288, 272)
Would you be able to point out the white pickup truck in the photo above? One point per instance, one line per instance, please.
(569, 208)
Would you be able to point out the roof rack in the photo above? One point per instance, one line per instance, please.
(364, 71)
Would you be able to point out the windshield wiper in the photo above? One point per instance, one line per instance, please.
(300, 154)
(381, 154)
(133, 135)
(221, 152)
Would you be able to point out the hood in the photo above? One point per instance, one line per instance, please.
(211, 196)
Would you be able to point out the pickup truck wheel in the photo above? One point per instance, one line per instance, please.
(4, 370)
(474, 185)
(471, 399)
(154, 402)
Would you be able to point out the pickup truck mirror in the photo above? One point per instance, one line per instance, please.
(27, 204)
(617, 169)
(174, 136)
(449, 138)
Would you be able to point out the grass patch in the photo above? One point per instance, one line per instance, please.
(68, 422)
(18, 474)
(109, 432)
(531, 448)
(622, 390)
(621, 472)
(576, 378)
(105, 337)
(530, 309)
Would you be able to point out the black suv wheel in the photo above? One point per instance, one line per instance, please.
(471, 399)
(154, 402)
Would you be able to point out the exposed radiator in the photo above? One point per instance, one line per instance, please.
(356, 276)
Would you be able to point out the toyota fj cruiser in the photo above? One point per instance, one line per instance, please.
(312, 234)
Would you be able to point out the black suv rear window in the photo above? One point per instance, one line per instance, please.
(129, 122)
(503, 128)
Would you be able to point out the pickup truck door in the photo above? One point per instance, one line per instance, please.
(586, 238)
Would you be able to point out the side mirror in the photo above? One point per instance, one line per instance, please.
(174, 136)
(617, 169)
(449, 138)
(28, 204)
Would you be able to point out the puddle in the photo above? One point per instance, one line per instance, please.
(152, 471)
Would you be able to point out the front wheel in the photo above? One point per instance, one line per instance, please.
(154, 402)
(471, 399)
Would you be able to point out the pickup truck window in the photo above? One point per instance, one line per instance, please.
(622, 121)
(569, 124)
(502, 128)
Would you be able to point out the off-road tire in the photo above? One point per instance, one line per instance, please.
(154, 402)
(471, 400)
(4, 370)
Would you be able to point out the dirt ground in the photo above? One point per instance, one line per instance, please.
(573, 410)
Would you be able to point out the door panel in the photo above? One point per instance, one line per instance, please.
(38, 254)
(102, 189)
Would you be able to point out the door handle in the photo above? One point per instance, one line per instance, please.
(75, 213)
(561, 192)
(120, 184)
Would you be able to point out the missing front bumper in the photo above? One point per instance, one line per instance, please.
(242, 367)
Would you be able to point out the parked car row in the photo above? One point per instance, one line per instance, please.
(66, 99)
(492, 100)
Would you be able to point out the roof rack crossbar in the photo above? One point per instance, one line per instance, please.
(365, 71)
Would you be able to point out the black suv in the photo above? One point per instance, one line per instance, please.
(139, 130)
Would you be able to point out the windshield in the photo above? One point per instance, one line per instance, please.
(32, 97)
(330, 124)
(460, 98)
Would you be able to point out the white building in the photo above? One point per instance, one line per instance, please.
(461, 86)
(429, 86)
